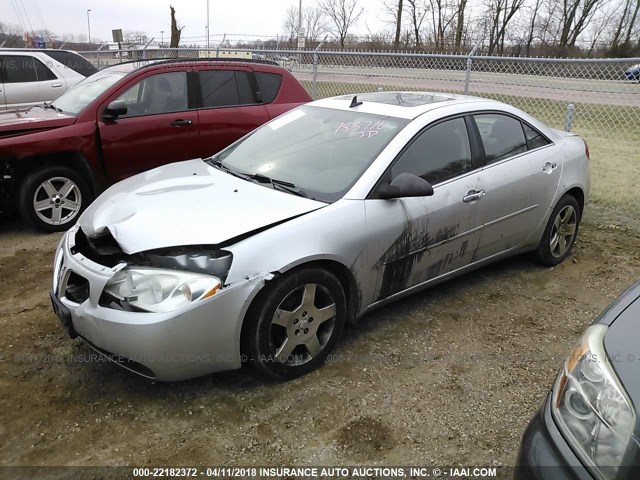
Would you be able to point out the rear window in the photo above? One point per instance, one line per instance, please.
(269, 84)
(225, 88)
(73, 61)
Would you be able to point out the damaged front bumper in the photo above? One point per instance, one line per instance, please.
(201, 339)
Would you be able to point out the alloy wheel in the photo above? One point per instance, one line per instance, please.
(563, 231)
(57, 200)
(302, 324)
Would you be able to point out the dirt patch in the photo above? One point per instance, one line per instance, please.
(450, 375)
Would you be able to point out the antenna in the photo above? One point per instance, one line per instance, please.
(355, 102)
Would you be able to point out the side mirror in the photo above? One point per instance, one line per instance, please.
(115, 109)
(406, 185)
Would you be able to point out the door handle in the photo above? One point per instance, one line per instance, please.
(180, 123)
(56, 85)
(473, 195)
(549, 167)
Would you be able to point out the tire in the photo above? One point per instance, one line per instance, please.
(560, 233)
(295, 323)
(52, 199)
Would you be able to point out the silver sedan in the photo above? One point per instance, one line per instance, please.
(263, 252)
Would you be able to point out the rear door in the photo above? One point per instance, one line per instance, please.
(28, 82)
(160, 126)
(522, 176)
(229, 107)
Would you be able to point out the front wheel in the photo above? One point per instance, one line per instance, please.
(295, 323)
(53, 198)
(560, 233)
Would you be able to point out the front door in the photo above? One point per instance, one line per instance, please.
(414, 240)
(158, 128)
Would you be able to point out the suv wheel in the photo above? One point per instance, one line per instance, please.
(53, 198)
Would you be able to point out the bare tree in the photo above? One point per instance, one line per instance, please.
(343, 14)
(10, 34)
(417, 11)
(442, 16)
(175, 30)
(632, 24)
(500, 12)
(532, 26)
(462, 6)
(396, 42)
(576, 15)
(314, 23)
(291, 22)
(134, 36)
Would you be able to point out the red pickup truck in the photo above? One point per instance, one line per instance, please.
(130, 117)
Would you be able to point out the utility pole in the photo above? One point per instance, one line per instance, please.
(89, 24)
(299, 24)
(161, 38)
(208, 33)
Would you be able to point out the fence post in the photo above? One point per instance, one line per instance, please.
(314, 78)
(568, 117)
(98, 55)
(467, 77)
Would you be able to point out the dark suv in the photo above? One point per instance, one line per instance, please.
(127, 118)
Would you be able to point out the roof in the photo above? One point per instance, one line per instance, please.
(142, 63)
(397, 104)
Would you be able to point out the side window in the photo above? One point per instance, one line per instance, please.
(219, 88)
(438, 154)
(42, 72)
(73, 61)
(269, 84)
(19, 69)
(534, 138)
(161, 93)
(502, 136)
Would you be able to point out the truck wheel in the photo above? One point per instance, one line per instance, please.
(53, 198)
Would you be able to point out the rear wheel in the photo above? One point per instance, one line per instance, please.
(53, 198)
(560, 233)
(295, 323)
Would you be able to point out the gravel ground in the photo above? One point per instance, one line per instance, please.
(449, 376)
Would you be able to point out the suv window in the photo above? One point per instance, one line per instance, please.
(502, 136)
(269, 84)
(161, 93)
(73, 61)
(24, 69)
(437, 154)
(225, 88)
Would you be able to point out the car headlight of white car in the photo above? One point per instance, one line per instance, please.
(161, 290)
(591, 407)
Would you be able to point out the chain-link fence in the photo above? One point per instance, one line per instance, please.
(597, 98)
(604, 97)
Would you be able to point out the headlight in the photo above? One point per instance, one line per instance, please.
(159, 290)
(592, 408)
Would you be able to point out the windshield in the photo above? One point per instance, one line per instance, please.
(321, 151)
(76, 99)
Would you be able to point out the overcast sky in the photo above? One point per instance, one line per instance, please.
(246, 17)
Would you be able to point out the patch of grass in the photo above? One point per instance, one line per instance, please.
(611, 132)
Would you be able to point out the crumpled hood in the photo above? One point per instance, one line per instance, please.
(187, 203)
(34, 118)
